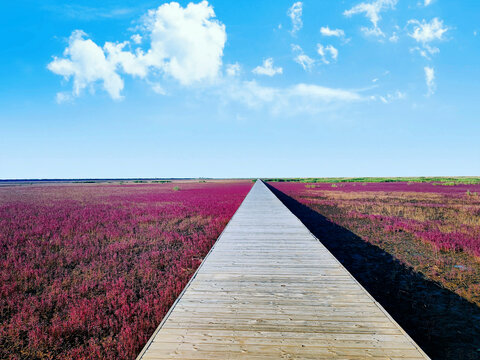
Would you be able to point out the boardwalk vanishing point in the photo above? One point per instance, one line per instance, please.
(269, 289)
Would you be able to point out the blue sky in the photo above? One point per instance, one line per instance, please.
(239, 89)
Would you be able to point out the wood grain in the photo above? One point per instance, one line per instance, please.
(269, 289)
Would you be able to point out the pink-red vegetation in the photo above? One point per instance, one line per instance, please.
(414, 247)
(89, 271)
(443, 220)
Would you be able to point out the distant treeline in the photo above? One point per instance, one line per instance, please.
(443, 180)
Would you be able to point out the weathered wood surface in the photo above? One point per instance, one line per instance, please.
(270, 290)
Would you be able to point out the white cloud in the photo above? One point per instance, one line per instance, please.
(327, 53)
(136, 38)
(130, 63)
(333, 52)
(158, 89)
(87, 13)
(304, 60)
(326, 31)
(388, 98)
(426, 50)
(233, 69)
(323, 93)
(430, 80)
(372, 12)
(267, 68)
(295, 14)
(252, 94)
(425, 32)
(427, 2)
(63, 97)
(86, 63)
(394, 38)
(186, 44)
(299, 98)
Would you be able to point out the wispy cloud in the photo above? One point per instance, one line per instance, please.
(233, 69)
(388, 98)
(136, 38)
(88, 13)
(430, 80)
(327, 53)
(425, 32)
(294, 99)
(394, 37)
(425, 51)
(372, 12)
(305, 61)
(63, 97)
(295, 14)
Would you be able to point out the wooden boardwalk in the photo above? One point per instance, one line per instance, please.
(270, 290)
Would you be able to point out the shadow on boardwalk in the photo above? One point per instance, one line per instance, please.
(443, 324)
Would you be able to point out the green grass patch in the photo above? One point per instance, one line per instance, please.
(436, 180)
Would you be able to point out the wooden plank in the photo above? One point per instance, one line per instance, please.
(269, 289)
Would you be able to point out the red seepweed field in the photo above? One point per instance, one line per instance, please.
(87, 271)
(414, 246)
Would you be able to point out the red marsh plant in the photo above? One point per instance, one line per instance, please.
(415, 247)
(443, 219)
(89, 271)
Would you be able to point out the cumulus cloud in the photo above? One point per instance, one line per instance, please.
(430, 80)
(372, 12)
(85, 62)
(295, 14)
(326, 31)
(327, 53)
(124, 60)
(427, 2)
(185, 44)
(267, 68)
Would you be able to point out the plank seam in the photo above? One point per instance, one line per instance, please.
(380, 307)
(167, 315)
